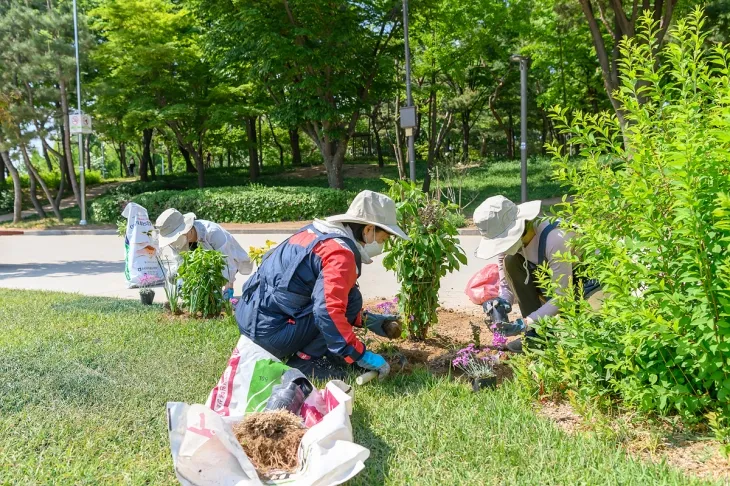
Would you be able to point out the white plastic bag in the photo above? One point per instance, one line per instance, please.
(140, 245)
(206, 453)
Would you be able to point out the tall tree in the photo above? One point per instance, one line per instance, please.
(319, 60)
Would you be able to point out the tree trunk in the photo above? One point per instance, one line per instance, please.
(169, 159)
(296, 153)
(432, 134)
(228, 154)
(67, 139)
(189, 167)
(47, 158)
(260, 136)
(334, 161)
(276, 141)
(144, 161)
(465, 132)
(33, 175)
(87, 152)
(378, 147)
(253, 160)
(3, 177)
(17, 190)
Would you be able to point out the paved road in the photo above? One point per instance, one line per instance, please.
(94, 265)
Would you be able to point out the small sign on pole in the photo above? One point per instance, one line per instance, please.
(80, 124)
(408, 117)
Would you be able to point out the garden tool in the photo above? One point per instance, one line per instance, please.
(497, 310)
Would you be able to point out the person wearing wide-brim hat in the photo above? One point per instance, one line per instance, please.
(183, 232)
(302, 302)
(512, 234)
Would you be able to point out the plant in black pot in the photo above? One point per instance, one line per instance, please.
(146, 294)
(477, 365)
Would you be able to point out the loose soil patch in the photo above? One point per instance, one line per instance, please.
(695, 455)
(453, 332)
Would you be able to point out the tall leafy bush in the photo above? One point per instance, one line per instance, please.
(652, 222)
(420, 263)
(202, 276)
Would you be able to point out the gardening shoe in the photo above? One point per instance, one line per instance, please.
(516, 345)
(318, 368)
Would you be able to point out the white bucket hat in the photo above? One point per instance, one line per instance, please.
(374, 208)
(501, 223)
(172, 224)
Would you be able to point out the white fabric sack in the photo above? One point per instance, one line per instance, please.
(140, 245)
(205, 451)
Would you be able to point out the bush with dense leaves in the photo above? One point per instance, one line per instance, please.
(53, 179)
(652, 221)
(7, 199)
(246, 204)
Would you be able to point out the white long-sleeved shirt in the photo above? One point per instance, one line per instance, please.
(212, 237)
(562, 271)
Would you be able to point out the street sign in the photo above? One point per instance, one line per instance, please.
(80, 124)
(408, 117)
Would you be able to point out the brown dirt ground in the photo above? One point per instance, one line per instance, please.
(367, 171)
(453, 332)
(694, 455)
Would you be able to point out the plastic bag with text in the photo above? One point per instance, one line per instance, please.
(205, 451)
(140, 245)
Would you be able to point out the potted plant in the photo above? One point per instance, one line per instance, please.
(478, 366)
(146, 294)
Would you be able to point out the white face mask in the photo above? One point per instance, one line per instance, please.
(180, 244)
(374, 248)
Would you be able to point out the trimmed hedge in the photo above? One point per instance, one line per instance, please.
(7, 198)
(53, 179)
(245, 204)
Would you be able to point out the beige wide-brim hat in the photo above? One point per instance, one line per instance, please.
(172, 224)
(374, 208)
(501, 223)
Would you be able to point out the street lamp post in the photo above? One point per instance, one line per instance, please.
(524, 62)
(82, 173)
(411, 136)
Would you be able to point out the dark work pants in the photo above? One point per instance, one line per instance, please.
(528, 295)
(304, 336)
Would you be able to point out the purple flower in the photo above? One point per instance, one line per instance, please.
(499, 340)
(234, 302)
(411, 318)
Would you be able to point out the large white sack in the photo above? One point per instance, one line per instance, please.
(140, 246)
(205, 451)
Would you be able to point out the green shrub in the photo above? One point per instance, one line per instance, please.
(247, 204)
(7, 198)
(202, 282)
(53, 179)
(420, 263)
(653, 225)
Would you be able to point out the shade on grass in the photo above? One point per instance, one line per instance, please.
(84, 382)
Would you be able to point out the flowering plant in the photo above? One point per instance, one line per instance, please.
(475, 362)
(146, 282)
(499, 340)
(386, 307)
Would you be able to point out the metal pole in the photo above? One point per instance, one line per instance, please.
(82, 173)
(411, 138)
(523, 123)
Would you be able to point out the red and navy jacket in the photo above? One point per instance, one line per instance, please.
(312, 273)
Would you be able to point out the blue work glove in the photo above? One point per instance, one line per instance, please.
(228, 294)
(518, 326)
(374, 322)
(499, 303)
(374, 362)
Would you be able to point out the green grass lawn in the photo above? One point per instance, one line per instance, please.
(85, 381)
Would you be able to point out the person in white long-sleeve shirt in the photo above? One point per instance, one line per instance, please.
(512, 234)
(183, 232)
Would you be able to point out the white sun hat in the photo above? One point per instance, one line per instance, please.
(172, 224)
(374, 208)
(501, 223)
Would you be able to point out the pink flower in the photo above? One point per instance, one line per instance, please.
(234, 302)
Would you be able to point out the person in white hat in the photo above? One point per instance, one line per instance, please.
(303, 300)
(513, 235)
(183, 232)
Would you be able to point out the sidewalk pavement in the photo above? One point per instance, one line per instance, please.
(94, 265)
